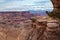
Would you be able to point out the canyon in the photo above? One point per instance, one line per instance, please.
(19, 26)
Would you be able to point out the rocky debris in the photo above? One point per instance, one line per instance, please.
(13, 34)
(9, 34)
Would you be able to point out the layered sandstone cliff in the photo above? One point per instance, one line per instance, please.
(35, 29)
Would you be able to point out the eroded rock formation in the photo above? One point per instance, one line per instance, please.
(56, 4)
(34, 29)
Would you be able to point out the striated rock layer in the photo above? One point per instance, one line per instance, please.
(31, 30)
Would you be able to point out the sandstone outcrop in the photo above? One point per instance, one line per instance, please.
(56, 4)
(34, 29)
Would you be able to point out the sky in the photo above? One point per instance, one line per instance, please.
(25, 5)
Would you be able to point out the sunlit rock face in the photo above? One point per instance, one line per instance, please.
(56, 4)
(52, 23)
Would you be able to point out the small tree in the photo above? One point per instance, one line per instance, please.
(53, 15)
